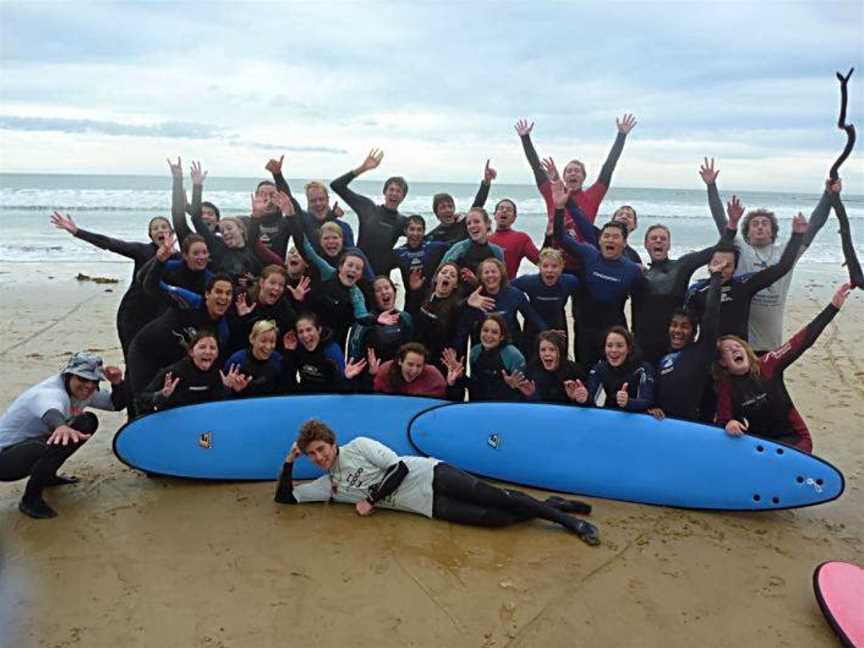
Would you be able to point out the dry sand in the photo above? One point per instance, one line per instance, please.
(133, 561)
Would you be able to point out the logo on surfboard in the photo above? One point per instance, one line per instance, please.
(494, 441)
(204, 441)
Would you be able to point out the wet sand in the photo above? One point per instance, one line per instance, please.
(133, 561)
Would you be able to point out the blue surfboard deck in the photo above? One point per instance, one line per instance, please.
(624, 456)
(249, 438)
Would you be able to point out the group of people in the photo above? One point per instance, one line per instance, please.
(285, 300)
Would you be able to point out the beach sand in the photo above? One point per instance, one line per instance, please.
(133, 561)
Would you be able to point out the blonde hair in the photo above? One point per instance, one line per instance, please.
(552, 254)
(239, 223)
(331, 228)
(263, 326)
(505, 280)
(316, 184)
(720, 372)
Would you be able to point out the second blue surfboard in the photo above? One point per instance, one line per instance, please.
(623, 456)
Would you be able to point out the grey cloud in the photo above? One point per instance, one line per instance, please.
(171, 129)
(294, 148)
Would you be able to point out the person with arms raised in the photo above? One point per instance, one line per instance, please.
(451, 227)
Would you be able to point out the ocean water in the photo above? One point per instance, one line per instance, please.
(121, 206)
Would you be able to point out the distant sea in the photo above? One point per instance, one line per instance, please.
(120, 206)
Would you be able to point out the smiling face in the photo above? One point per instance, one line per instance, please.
(232, 235)
(476, 226)
(321, 453)
(616, 349)
(317, 201)
(550, 271)
(611, 243)
(446, 281)
(350, 270)
(271, 288)
(204, 353)
(733, 357)
(81, 389)
(308, 334)
(159, 230)
(490, 276)
(680, 332)
(218, 298)
(549, 355)
(267, 192)
(414, 233)
(385, 294)
(197, 257)
(393, 195)
(412, 366)
(331, 243)
(657, 244)
(490, 334)
(446, 212)
(574, 175)
(263, 345)
(505, 214)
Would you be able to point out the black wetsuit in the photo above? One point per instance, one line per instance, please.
(137, 306)
(266, 374)
(380, 226)
(456, 231)
(664, 289)
(435, 323)
(173, 272)
(684, 375)
(320, 371)
(549, 385)
(161, 343)
(737, 294)
(235, 262)
(638, 376)
(195, 386)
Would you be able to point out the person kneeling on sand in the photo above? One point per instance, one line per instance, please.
(46, 424)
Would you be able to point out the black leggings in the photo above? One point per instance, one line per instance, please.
(40, 461)
(462, 498)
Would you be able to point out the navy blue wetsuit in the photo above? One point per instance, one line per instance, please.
(605, 285)
(320, 371)
(548, 301)
(266, 374)
(508, 302)
(639, 377)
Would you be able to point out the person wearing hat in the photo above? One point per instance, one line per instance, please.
(46, 424)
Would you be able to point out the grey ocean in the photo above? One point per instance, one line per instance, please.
(120, 206)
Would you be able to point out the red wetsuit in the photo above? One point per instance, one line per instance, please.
(516, 246)
(429, 383)
(764, 401)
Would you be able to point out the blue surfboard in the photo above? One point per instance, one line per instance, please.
(249, 438)
(624, 456)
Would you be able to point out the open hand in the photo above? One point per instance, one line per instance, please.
(708, 172)
(523, 128)
(626, 123)
(64, 222)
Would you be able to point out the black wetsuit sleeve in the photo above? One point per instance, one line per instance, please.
(482, 194)
(282, 185)
(285, 487)
(119, 396)
(214, 244)
(132, 250)
(361, 205)
(769, 275)
(540, 176)
(197, 198)
(817, 218)
(178, 210)
(710, 321)
(152, 277)
(393, 478)
(692, 261)
(605, 177)
(53, 418)
(716, 207)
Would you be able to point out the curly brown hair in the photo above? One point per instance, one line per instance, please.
(314, 430)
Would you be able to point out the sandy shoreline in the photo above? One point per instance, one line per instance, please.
(143, 562)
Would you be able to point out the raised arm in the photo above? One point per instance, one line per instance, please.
(781, 358)
(178, 201)
(625, 125)
(275, 168)
(132, 250)
(489, 174)
(523, 129)
(709, 176)
(360, 204)
(214, 243)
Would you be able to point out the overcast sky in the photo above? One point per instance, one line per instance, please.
(115, 88)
